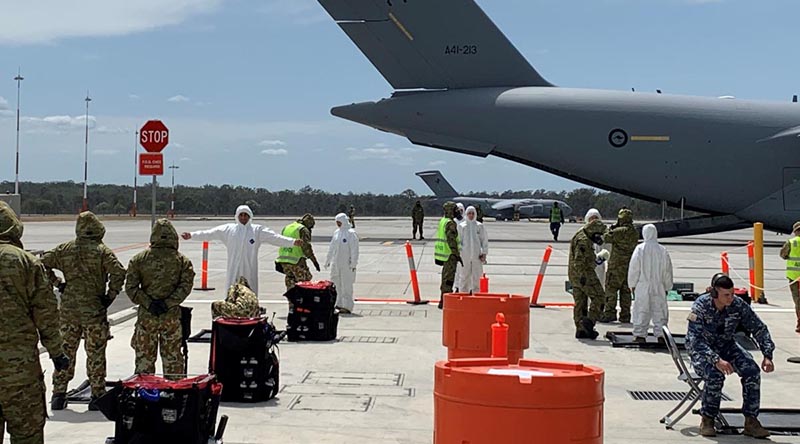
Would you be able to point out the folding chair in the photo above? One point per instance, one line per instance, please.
(695, 383)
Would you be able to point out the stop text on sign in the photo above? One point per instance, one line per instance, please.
(154, 136)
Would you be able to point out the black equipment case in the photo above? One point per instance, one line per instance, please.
(312, 312)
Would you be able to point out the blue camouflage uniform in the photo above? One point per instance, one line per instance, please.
(711, 338)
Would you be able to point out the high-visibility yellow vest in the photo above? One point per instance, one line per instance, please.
(555, 215)
(442, 249)
(793, 261)
(291, 255)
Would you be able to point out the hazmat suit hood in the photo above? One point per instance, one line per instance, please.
(308, 221)
(449, 210)
(344, 220)
(650, 233)
(472, 210)
(625, 217)
(89, 227)
(593, 212)
(164, 235)
(243, 209)
(10, 226)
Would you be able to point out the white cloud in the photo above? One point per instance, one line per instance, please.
(391, 155)
(3, 103)
(5, 110)
(185, 159)
(110, 130)
(272, 143)
(275, 152)
(57, 124)
(65, 19)
(437, 163)
(178, 99)
(104, 152)
(298, 12)
(133, 97)
(176, 144)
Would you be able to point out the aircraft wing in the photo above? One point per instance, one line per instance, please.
(787, 133)
(510, 204)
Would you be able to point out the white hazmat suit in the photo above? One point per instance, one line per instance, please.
(600, 270)
(650, 275)
(459, 269)
(474, 248)
(343, 261)
(242, 242)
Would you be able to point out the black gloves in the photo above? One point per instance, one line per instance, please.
(316, 264)
(61, 287)
(597, 238)
(108, 298)
(158, 307)
(61, 362)
(583, 281)
(458, 258)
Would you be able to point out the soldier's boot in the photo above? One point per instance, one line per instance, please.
(588, 327)
(608, 318)
(753, 428)
(639, 340)
(580, 333)
(58, 401)
(707, 427)
(93, 404)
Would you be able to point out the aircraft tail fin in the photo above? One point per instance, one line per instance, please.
(433, 44)
(438, 184)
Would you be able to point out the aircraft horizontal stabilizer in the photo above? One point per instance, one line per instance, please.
(425, 44)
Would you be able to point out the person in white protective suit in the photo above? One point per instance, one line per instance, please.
(242, 239)
(600, 270)
(343, 261)
(650, 278)
(474, 248)
(459, 217)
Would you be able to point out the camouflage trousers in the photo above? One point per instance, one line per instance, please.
(22, 411)
(448, 275)
(748, 371)
(154, 333)
(617, 282)
(95, 336)
(588, 300)
(295, 273)
(418, 226)
(795, 289)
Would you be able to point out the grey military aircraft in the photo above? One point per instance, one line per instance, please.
(461, 86)
(500, 209)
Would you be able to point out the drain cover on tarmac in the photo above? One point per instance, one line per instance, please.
(329, 403)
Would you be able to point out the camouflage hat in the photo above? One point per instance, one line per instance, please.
(89, 227)
(308, 221)
(595, 227)
(625, 215)
(164, 235)
(10, 226)
(796, 227)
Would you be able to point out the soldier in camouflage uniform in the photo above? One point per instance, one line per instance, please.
(479, 216)
(292, 261)
(623, 239)
(715, 354)
(158, 280)
(352, 216)
(417, 218)
(447, 254)
(240, 303)
(29, 314)
(586, 288)
(87, 264)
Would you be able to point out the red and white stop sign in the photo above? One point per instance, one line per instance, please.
(154, 136)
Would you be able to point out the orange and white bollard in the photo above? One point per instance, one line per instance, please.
(412, 269)
(751, 259)
(204, 273)
(500, 337)
(540, 278)
(726, 266)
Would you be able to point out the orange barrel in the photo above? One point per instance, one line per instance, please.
(468, 319)
(488, 401)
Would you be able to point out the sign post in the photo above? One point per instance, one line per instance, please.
(154, 137)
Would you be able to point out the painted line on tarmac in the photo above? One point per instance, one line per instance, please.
(757, 309)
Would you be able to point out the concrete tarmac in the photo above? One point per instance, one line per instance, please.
(381, 390)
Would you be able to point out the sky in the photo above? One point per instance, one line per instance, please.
(246, 86)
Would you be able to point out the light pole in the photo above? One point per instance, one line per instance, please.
(135, 171)
(86, 158)
(19, 80)
(173, 167)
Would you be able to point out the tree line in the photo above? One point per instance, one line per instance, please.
(52, 198)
